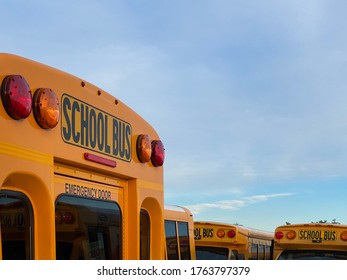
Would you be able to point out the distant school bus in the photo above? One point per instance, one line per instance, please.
(311, 242)
(179, 233)
(218, 241)
(81, 174)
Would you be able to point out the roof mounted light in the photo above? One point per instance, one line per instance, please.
(158, 153)
(16, 97)
(291, 234)
(220, 233)
(231, 233)
(143, 148)
(46, 108)
(343, 236)
(279, 234)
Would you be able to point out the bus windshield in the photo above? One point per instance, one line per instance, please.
(313, 255)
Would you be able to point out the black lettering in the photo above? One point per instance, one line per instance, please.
(92, 128)
(128, 142)
(100, 131)
(75, 135)
(107, 146)
(115, 137)
(84, 125)
(67, 129)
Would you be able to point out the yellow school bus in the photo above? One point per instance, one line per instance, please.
(314, 241)
(81, 173)
(219, 241)
(179, 233)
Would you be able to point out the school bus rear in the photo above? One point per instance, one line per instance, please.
(311, 241)
(79, 162)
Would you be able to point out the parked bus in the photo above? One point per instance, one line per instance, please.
(315, 241)
(218, 241)
(179, 233)
(81, 173)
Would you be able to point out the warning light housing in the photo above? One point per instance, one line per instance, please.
(343, 236)
(158, 153)
(143, 148)
(291, 234)
(46, 108)
(231, 233)
(16, 97)
(279, 234)
(220, 233)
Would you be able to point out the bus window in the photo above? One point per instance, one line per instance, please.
(16, 226)
(87, 229)
(261, 252)
(144, 235)
(184, 240)
(268, 252)
(171, 240)
(313, 255)
(254, 252)
(211, 253)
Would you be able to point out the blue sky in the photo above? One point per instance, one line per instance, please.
(249, 97)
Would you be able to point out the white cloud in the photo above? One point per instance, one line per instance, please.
(234, 204)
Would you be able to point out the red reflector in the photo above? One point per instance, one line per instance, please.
(279, 234)
(158, 153)
(16, 97)
(143, 148)
(101, 160)
(46, 108)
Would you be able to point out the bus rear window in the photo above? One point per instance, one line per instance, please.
(211, 253)
(16, 226)
(87, 229)
(313, 255)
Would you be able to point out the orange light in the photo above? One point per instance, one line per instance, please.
(279, 234)
(220, 233)
(343, 236)
(231, 233)
(291, 234)
(16, 97)
(143, 148)
(158, 153)
(46, 108)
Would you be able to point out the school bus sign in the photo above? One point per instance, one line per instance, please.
(86, 126)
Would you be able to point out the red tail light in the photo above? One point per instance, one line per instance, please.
(231, 233)
(279, 234)
(16, 97)
(158, 153)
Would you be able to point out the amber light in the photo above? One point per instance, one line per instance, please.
(291, 234)
(158, 153)
(46, 108)
(220, 233)
(343, 236)
(279, 234)
(16, 97)
(143, 148)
